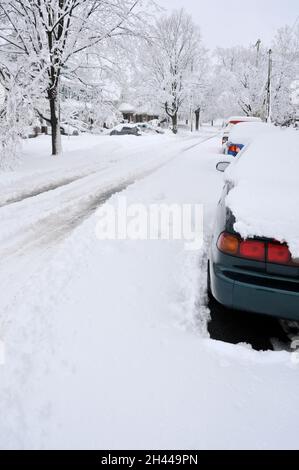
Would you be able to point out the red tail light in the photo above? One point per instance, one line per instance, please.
(278, 253)
(253, 249)
(232, 148)
(257, 250)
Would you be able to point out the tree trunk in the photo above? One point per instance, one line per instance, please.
(174, 119)
(53, 97)
(197, 116)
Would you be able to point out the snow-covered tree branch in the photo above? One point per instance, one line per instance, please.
(47, 34)
(170, 59)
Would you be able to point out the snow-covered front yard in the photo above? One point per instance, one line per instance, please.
(106, 342)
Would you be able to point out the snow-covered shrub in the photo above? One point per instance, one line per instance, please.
(17, 116)
(10, 132)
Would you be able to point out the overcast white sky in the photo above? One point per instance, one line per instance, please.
(230, 22)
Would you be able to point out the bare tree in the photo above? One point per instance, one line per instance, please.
(170, 58)
(49, 33)
(285, 71)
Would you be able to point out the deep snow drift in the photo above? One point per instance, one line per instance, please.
(106, 341)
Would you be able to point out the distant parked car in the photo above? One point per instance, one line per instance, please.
(232, 121)
(67, 129)
(254, 254)
(244, 133)
(126, 129)
(148, 128)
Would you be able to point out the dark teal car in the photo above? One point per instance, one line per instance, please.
(256, 275)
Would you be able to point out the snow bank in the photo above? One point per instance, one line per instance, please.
(265, 197)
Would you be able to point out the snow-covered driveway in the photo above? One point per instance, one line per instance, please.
(106, 342)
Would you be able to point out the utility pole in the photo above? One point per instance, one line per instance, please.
(269, 107)
(191, 97)
(191, 118)
(258, 45)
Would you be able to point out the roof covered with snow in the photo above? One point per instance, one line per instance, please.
(147, 109)
(126, 108)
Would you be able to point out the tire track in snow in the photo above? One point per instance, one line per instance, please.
(30, 246)
(33, 249)
(81, 191)
(72, 220)
(57, 224)
(46, 187)
(201, 142)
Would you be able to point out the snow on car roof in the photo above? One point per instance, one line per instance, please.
(243, 119)
(120, 127)
(265, 196)
(246, 131)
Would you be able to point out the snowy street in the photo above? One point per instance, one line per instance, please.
(38, 211)
(107, 343)
(149, 241)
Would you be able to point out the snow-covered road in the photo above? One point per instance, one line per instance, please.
(37, 212)
(106, 342)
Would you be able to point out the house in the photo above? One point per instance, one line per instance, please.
(132, 113)
(127, 111)
(145, 113)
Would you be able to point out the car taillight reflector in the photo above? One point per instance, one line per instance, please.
(253, 249)
(278, 253)
(228, 243)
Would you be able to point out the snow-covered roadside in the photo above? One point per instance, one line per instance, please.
(96, 356)
(85, 155)
(82, 153)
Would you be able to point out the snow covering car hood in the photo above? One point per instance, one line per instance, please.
(265, 196)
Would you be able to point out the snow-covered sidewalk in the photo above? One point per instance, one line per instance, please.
(106, 343)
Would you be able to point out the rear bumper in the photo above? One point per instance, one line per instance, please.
(253, 293)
